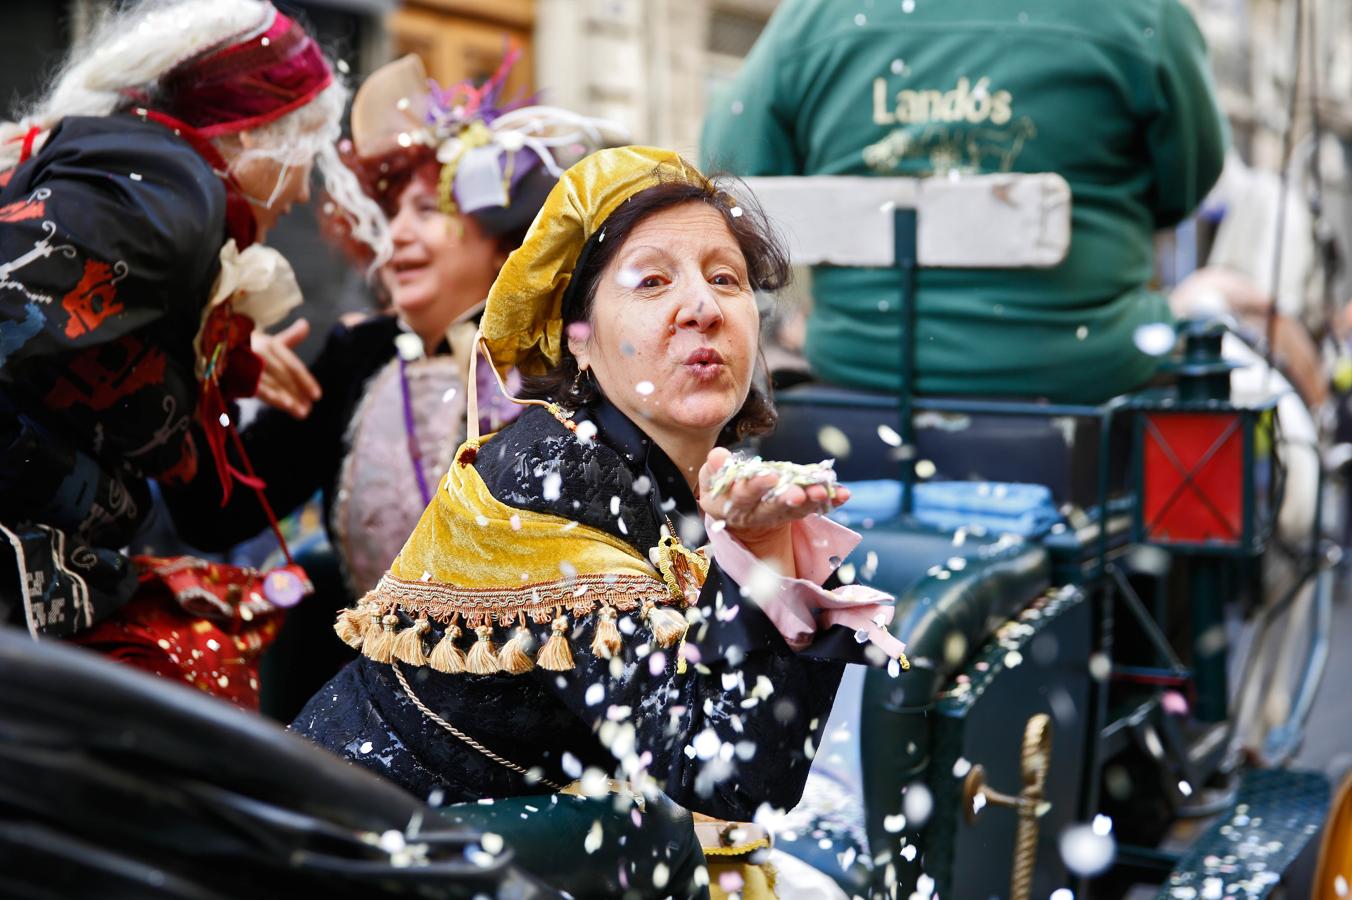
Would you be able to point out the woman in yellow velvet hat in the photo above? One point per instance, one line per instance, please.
(550, 620)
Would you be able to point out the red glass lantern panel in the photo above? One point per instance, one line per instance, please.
(1193, 478)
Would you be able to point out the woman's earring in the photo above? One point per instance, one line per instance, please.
(576, 389)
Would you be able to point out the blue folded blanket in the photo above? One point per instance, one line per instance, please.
(1023, 509)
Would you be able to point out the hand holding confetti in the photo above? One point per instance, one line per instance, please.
(756, 497)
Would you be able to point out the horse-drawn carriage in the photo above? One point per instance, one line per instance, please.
(1094, 598)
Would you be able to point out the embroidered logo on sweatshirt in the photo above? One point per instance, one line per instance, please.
(967, 128)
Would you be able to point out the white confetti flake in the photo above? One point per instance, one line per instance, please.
(592, 842)
(392, 842)
(595, 694)
(961, 768)
(515, 522)
(860, 19)
(1154, 338)
(908, 6)
(925, 469)
(1082, 332)
(898, 66)
(888, 435)
(448, 396)
(595, 783)
(224, 420)
(661, 874)
(409, 346)
(917, 804)
(735, 212)
(1062, 894)
(552, 485)
(644, 388)
(572, 766)
(135, 176)
(366, 747)
(707, 744)
(908, 853)
(628, 278)
(1085, 851)
(491, 842)
(737, 107)
(585, 431)
(893, 824)
(834, 441)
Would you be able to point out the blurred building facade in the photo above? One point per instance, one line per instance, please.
(655, 65)
(649, 64)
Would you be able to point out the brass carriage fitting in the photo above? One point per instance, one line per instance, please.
(1035, 761)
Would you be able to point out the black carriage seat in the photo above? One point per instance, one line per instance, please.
(1058, 451)
(114, 783)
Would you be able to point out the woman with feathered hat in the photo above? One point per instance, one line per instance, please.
(551, 618)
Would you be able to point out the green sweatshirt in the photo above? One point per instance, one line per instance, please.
(1115, 95)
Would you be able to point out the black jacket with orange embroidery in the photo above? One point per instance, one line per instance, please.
(109, 246)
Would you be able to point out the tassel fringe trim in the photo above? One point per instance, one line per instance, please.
(374, 628)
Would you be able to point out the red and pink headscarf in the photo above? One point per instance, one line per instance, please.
(247, 83)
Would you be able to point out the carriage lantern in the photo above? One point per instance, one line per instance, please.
(1206, 465)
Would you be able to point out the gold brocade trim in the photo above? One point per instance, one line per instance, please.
(541, 601)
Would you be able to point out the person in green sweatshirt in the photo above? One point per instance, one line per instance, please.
(1116, 97)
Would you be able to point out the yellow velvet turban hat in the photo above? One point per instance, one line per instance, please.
(522, 324)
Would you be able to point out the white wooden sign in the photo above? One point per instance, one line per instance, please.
(975, 222)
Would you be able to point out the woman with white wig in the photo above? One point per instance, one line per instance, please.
(134, 199)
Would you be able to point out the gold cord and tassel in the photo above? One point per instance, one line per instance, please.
(379, 643)
(408, 646)
(556, 655)
(350, 626)
(483, 656)
(446, 656)
(515, 656)
(667, 625)
(606, 642)
(373, 630)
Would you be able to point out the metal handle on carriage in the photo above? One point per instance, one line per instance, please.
(1030, 804)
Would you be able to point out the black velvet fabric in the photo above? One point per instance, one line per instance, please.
(733, 731)
(110, 238)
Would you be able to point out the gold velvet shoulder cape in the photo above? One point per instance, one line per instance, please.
(474, 563)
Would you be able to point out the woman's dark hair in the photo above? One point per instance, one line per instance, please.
(768, 270)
